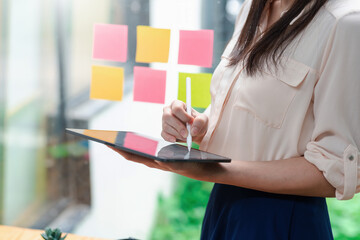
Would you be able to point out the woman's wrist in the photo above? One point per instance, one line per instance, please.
(213, 172)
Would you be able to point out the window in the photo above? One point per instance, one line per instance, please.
(47, 177)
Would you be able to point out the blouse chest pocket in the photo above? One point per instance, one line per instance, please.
(267, 96)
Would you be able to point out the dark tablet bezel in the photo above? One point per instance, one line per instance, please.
(142, 154)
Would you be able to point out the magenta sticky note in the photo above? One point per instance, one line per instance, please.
(196, 47)
(149, 85)
(140, 143)
(110, 42)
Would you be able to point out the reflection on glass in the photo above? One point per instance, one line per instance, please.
(176, 151)
(147, 146)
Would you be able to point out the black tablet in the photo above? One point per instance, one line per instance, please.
(149, 147)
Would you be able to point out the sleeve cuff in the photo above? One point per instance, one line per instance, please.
(341, 172)
(351, 163)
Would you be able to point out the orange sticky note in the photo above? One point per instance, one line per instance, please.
(153, 44)
(107, 83)
(110, 42)
(107, 136)
(196, 48)
(149, 85)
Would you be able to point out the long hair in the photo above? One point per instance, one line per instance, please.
(274, 41)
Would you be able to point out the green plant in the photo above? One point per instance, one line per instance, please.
(180, 216)
(345, 218)
(51, 234)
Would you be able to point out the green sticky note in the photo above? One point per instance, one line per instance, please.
(193, 145)
(200, 89)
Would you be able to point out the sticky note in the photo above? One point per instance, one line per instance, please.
(107, 136)
(110, 42)
(149, 85)
(139, 143)
(200, 89)
(107, 83)
(153, 44)
(196, 48)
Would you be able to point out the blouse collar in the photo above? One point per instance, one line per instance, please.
(264, 20)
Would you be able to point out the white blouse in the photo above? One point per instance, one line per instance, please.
(309, 106)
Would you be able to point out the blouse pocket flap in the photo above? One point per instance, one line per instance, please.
(268, 96)
(291, 72)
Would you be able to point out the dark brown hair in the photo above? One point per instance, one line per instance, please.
(274, 41)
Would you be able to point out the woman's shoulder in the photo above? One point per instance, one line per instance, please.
(342, 8)
(346, 14)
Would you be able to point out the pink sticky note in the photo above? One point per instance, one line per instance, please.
(139, 143)
(149, 85)
(196, 47)
(110, 42)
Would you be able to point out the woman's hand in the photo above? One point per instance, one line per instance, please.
(267, 176)
(198, 171)
(174, 122)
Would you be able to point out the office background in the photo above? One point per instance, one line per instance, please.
(50, 179)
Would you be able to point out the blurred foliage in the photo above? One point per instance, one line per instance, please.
(180, 215)
(70, 149)
(345, 218)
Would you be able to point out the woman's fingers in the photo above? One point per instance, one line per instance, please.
(151, 163)
(168, 137)
(175, 118)
(199, 125)
(192, 170)
(178, 109)
(173, 132)
(134, 158)
(171, 120)
(123, 153)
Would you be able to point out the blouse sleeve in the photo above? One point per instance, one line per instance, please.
(335, 143)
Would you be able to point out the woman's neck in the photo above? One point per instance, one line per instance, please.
(287, 3)
(277, 8)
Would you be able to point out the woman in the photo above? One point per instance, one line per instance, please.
(285, 108)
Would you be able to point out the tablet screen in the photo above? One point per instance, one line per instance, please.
(147, 146)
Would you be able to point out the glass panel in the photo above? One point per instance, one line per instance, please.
(46, 57)
(2, 104)
(29, 97)
(23, 111)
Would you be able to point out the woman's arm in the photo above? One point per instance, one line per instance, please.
(289, 176)
(295, 176)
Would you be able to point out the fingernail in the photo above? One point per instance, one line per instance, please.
(183, 133)
(194, 131)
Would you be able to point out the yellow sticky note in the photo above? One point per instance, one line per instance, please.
(107, 83)
(153, 44)
(200, 89)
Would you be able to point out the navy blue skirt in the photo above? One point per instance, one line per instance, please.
(239, 213)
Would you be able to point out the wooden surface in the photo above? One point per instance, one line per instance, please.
(14, 233)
